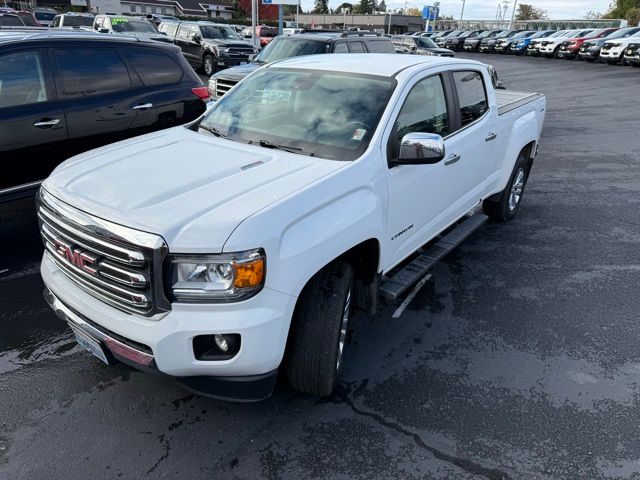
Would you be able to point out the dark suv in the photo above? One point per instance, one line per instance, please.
(208, 45)
(62, 93)
(305, 43)
(419, 46)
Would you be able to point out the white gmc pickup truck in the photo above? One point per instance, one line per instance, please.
(223, 251)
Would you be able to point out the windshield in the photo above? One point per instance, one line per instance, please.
(581, 33)
(467, 34)
(287, 47)
(426, 43)
(561, 33)
(488, 33)
(77, 21)
(624, 33)
(125, 25)
(44, 15)
(218, 32)
(324, 114)
(594, 34)
(505, 34)
(28, 19)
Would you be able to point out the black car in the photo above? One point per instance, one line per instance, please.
(487, 45)
(472, 43)
(208, 45)
(456, 43)
(308, 42)
(419, 46)
(62, 93)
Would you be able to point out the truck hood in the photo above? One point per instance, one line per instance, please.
(623, 41)
(238, 73)
(191, 188)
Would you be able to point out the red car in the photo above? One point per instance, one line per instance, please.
(264, 33)
(569, 49)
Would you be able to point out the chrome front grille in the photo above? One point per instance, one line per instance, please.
(607, 47)
(223, 86)
(119, 266)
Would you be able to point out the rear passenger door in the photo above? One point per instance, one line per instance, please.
(32, 123)
(474, 140)
(94, 88)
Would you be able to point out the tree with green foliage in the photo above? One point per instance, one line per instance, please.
(529, 12)
(627, 9)
(321, 6)
(365, 7)
(382, 7)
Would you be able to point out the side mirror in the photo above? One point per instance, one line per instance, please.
(103, 30)
(252, 57)
(420, 149)
(196, 38)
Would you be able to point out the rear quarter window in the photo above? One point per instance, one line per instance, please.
(153, 66)
(380, 46)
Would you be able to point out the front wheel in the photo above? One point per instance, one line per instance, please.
(209, 65)
(319, 331)
(612, 62)
(505, 206)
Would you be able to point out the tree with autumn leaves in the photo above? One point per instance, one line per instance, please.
(268, 12)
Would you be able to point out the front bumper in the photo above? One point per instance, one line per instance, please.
(613, 54)
(226, 60)
(568, 53)
(166, 345)
(632, 59)
(589, 54)
(486, 48)
(547, 50)
(470, 47)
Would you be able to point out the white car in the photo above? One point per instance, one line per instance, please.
(549, 46)
(613, 51)
(224, 251)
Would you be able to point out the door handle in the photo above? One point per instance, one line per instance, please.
(452, 159)
(490, 136)
(47, 123)
(142, 106)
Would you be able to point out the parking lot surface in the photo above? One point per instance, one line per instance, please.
(519, 359)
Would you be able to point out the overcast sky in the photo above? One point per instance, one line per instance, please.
(486, 9)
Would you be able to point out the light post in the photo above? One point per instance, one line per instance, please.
(513, 14)
(462, 14)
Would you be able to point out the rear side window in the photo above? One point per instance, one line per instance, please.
(89, 72)
(10, 21)
(154, 67)
(356, 47)
(380, 46)
(22, 79)
(472, 96)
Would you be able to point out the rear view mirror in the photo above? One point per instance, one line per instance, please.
(420, 149)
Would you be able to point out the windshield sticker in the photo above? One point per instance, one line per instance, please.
(359, 134)
(115, 21)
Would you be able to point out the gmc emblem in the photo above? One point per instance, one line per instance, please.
(76, 257)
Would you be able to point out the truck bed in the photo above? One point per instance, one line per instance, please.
(509, 100)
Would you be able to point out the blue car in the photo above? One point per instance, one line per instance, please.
(519, 47)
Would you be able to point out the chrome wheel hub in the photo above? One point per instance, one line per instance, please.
(343, 328)
(516, 190)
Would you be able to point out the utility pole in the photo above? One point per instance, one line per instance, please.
(513, 14)
(280, 18)
(462, 14)
(254, 21)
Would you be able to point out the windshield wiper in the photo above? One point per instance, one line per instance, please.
(212, 130)
(286, 148)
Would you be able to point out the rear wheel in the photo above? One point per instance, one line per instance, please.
(504, 206)
(209, 64)
(319, 331)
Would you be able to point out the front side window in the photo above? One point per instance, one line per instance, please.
(472, 96)
(424, 110)
(22, 79)
(331, 115)
(218, 32)
(89, 72)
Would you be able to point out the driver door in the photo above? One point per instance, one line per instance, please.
(420, 195)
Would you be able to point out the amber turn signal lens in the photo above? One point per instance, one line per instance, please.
(249, 274)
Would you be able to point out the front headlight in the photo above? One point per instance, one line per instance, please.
(227, 277)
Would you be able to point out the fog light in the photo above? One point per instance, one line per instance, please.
(221, 342)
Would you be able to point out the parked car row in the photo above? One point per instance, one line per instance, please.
(613, 45)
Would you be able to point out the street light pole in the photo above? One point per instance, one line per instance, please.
(513, 14)
(462, 14)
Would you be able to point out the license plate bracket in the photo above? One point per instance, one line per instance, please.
(91, 345)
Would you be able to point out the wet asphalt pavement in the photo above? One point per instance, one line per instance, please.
(519, 359)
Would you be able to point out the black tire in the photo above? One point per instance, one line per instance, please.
(636, 65)
(612, 62)
(500, 207)
(209, 64)
(314, 354)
